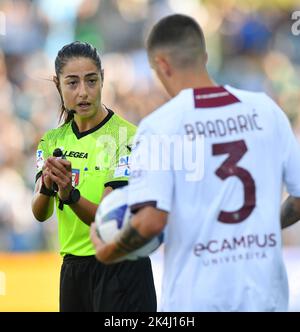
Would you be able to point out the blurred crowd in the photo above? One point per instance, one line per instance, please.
(250, 45)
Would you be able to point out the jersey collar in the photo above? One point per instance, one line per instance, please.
(87, 132)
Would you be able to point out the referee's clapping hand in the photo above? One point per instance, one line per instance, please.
(46, 177)
(60, 172)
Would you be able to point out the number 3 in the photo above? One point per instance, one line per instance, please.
(236, 151)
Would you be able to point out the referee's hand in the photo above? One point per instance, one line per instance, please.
(46, 180)
(60, 172)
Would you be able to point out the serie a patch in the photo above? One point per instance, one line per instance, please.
(39, 159)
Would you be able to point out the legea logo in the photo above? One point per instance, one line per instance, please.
(2, 284)
(296, 25)
(2, 24)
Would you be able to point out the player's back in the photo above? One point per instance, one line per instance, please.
(223, 241)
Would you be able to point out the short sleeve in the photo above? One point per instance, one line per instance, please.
(119, 171)
(151, 180)
(42, 154)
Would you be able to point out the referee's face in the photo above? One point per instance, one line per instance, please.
(81, 86)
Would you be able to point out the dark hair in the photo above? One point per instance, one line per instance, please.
(76, 49)
(181, 35)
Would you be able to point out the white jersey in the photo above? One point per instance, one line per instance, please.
(223, 237)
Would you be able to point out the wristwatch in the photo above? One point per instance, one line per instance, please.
(74, 197)
(45, 191)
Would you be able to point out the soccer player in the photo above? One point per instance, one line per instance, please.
(222, 227)
(95, 145)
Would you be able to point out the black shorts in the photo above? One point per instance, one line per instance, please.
(86, 285)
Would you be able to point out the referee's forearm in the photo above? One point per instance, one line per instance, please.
(85, 210)
(42, 206)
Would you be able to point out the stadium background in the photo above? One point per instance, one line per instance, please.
(250, 45)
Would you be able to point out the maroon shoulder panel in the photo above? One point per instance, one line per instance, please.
(213, 97)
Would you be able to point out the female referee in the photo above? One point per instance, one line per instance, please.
(90, 160)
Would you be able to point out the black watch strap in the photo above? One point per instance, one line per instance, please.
(45, 191)
(73, 198)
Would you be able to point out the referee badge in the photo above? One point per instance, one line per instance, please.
(75, 177)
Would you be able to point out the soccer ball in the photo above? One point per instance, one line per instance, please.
(112, 215)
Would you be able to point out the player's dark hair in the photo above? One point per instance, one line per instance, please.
(76, 49)
(181, 36)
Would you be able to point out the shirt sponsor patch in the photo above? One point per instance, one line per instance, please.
(123, 168)
(39, 159)
(124, 161)
(75, 177)
(122, 171)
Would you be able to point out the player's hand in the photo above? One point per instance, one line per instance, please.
(61, 174)
(106, 253)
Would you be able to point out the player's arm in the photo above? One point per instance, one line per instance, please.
(289, 150)
(290, 211)
(43, 203)
(145, 224)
